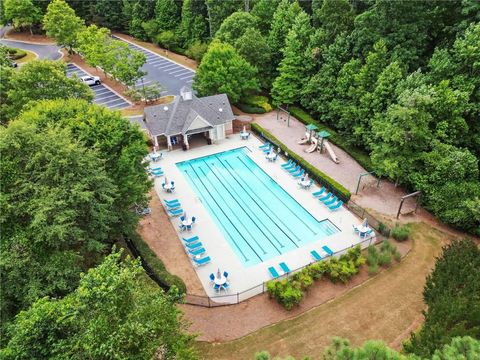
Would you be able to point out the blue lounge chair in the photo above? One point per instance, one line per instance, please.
(267, 144)
(196, 252)
(155, 169)
(267, 150)
(292, 166)
(336, 206)
(273, 272)
(157, 173)
(325, 197)
(194, 245)
(287, 164)
(316, 255)
(294, 170)
(173, 206)
(327, 250)
(299, 173)
(171, 201)
(330, 201)
(284, 267)
(191, 240)
(202, 261)
(319, 192)
(176, 212)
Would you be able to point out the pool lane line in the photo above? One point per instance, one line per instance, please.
(314, 232)
(236, 245)
(229, 220)
(270, 213)
(246, 227)
(247, 213)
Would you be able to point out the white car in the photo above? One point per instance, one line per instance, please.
(90, 80)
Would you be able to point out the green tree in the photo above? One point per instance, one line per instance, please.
(253, 47)
(121, 146)
(115, 313)
(57, 213)
(219, 10)
(22, 13)
(61, 23)
(39, 80)
(263, 10)
(283, 20)
(109, 13)
(296, 63)
(224, 71)
(193, 26)
(123, 63)
(7, 73)
(93, 44)
(234, 26)
(167, 14)
(141, 11)
(334, 17)
(452, 297)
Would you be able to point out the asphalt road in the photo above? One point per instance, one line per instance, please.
(169, 74)
(51, 52)
(103, 95)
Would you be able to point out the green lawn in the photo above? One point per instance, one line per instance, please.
(382, 308)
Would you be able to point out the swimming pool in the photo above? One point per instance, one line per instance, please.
(258, 218)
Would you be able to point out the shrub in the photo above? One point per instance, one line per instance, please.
(383, 229)
(285, 292)
(167, 39)
(318, 269)
(401, 233)
(372, 256)
(304, 278)
(15, 54)
(359, 155)
(257, 101)
(385, 259)
(155, 264)
(340, 191)
(197, 50)
(249, 109)
(373, 269)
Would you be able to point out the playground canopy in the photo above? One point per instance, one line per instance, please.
(323, 134)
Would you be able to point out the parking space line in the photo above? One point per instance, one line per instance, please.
(156, 61)
(176, 71)
(187, 77)
(101, 99)
(101, 92)
(156, 66)
(190, 81)
(167, 66)
(108, 102)
(182, 73)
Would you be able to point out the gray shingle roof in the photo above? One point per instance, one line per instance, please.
(175, 118)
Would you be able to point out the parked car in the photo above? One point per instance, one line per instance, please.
(90, 80)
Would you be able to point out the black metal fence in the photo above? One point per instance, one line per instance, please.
(235, 298)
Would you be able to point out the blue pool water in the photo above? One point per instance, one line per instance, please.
(258, 218)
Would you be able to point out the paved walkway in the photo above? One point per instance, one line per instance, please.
(384, 200)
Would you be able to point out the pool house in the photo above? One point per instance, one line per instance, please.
(189, 121)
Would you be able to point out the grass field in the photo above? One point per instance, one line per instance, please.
(387, 307)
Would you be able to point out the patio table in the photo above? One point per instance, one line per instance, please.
(155, 156)
(220, 281)
(244, 135)
(168, 187)
(187, 222)
(304, 184)
(271, 156)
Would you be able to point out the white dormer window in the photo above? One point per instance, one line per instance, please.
(220, 109)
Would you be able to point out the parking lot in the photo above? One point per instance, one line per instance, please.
(170, 75)
(103, 95)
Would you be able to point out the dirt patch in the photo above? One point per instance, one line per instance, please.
(260, 311)
(27, 37)
(383, 307)
(181, 59)
(158, 232)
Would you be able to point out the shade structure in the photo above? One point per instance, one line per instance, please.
(244, 129)
(219, 274)
(311, 127)
(365, 222)
(306, 178)
(323, 134)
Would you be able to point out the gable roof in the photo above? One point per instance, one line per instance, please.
(177, 117)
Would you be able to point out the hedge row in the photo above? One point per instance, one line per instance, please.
(255, 104)
(249, 109)
(359, 155)
(153, 263)
(340, 191)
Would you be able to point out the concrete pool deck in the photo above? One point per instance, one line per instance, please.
(212, 238)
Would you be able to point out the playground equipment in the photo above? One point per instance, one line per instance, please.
(324, 143)
(314, 145)
(417, 195)
(304, 140)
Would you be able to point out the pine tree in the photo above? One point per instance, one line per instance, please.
(295, 65)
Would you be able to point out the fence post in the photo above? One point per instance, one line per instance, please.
(238, 298)
(208, 297)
